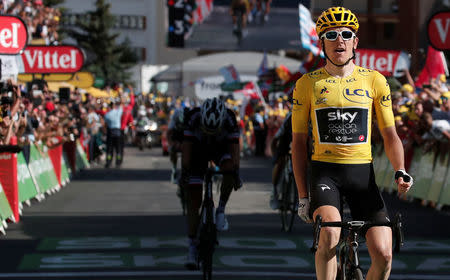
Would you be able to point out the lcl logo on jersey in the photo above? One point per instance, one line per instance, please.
(386, 100)
(361, 96)
(296, 102)
(364, 72)
(315, 74)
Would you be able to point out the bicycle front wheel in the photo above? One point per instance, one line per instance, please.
(208, 240)
(288, 209)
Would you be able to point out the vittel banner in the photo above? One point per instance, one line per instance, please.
(388, 63)
(438, 30)
(52, 59)
(13, 35)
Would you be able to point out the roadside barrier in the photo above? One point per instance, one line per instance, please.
(430, 172)
(46, 173)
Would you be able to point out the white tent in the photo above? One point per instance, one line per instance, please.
(206, 68)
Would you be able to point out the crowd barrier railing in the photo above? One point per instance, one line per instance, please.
(430, 171)
(46, 173)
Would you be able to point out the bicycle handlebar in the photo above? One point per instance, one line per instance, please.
(357, 226)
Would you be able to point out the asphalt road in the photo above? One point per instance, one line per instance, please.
(127, 224)
(282, 31)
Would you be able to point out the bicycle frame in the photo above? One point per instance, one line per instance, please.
(348, 248)
(289, 196)
(207, 232)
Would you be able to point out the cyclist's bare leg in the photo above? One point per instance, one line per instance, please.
(325, 258)
(267, 3)
(379, 243)
(193, 203)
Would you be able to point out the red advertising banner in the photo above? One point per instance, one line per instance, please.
(52, 59)
(8, 179)
(13, 35)
(387, 62)
(438, 31)
(55, 155)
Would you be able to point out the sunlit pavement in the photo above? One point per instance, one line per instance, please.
(127, 224)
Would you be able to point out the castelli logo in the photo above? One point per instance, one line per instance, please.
(52, 59)
(13, 35)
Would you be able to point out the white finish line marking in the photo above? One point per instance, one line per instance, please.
(194, 273)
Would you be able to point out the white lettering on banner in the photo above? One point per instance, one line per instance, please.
(265, 261)
(441, 30)
(30, 60)
(22, 173)
(81, 261)
(5, 156)
(49, 60)
(380, 63)
(7, 34)
(371, 61)
(434, 264)
(93, 243)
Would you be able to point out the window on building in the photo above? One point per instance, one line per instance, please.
(389, 30)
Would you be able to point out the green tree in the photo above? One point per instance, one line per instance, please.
(105, 57)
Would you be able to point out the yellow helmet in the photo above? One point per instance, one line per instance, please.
(336, 17)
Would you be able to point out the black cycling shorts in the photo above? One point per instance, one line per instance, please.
(355, 182)
(239, 10)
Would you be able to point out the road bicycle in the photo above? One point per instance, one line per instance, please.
(289, 196)
(348, 259)
(207, 231)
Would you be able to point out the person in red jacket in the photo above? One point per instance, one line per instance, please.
(127, 116)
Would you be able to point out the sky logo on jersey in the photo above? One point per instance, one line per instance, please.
(361, 96)
(386, 100)
(342, 116)
(342, 126)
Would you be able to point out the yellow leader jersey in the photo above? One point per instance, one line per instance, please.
(340, 111)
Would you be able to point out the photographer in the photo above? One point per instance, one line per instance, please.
(10, 102)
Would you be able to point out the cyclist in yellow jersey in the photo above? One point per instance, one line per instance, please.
(339, 101)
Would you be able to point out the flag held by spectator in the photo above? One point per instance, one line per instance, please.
(435, 65)
(263, 66)
(308, 35)
(230, 74)
(283, 73)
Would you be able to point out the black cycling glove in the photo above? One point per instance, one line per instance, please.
(406, 177)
